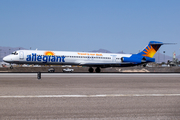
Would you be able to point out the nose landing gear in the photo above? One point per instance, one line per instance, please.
(11, 67)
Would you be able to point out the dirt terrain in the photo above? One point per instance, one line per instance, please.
(85, 69)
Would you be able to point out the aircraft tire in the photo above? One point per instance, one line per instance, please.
(98, 70)
(91, 70)
(144, 65)
(11, 67)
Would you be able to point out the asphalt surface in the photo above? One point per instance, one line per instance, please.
(85, 96)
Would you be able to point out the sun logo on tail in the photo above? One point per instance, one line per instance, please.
(49, 53)
(150, 50)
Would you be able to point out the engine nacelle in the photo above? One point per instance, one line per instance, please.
(130, 59)
(137, 59)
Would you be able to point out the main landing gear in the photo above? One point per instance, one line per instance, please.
(144, 65)
(98, 70)
(91, 70)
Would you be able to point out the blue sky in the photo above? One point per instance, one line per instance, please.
(86, 25)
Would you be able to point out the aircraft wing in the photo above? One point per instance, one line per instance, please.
(105, 64)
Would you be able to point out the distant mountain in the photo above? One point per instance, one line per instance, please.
(162, 57)
(101, 51)
(8, 50)
(105, 51)
(121, 52)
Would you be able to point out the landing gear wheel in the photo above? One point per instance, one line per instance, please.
(11, 67)
(91, 70)
(98, 70)
(144, 65)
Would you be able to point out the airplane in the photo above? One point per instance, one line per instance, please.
(88, 59)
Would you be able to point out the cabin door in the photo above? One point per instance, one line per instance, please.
(21, 55)
(113, 58)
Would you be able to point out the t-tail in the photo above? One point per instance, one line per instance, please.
(151, 49)
(144, 56)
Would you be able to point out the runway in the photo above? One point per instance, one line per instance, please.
(85, 96)
(91, 74)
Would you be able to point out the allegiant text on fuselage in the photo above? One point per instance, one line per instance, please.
(45, 58)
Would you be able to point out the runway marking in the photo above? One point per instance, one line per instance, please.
(90, 74)
(67, 74)
(91, 96)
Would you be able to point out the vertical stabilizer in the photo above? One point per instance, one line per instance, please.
(151, 49)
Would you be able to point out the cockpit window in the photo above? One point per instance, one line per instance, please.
(14, 53)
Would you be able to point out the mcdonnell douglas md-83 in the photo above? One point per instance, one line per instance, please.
(98, 60)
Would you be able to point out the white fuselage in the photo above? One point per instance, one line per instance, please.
(65, 58)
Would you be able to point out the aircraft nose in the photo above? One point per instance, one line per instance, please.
(6, 59)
